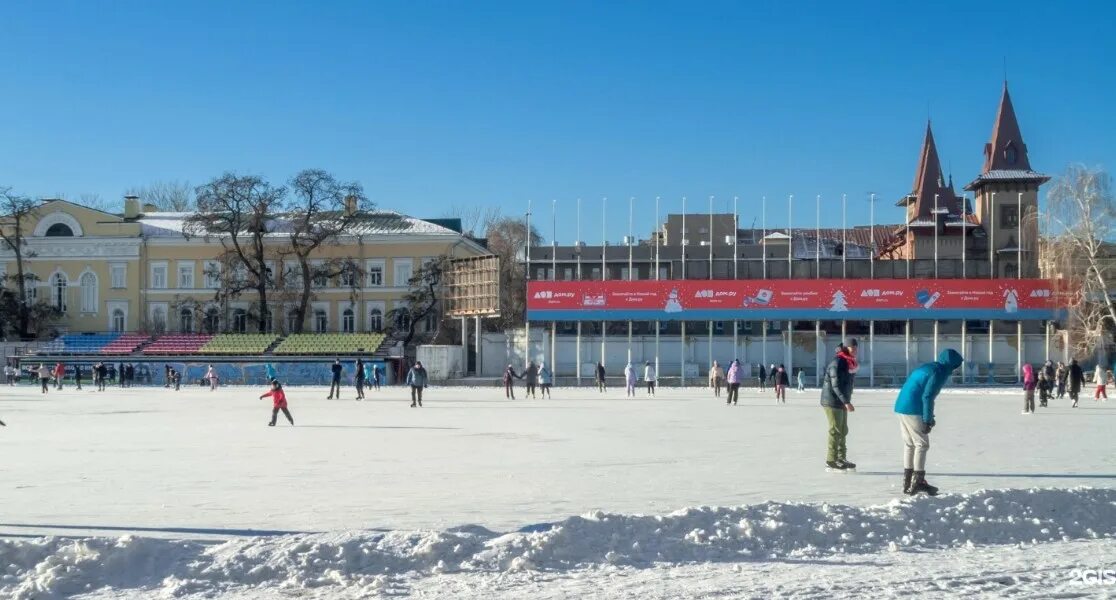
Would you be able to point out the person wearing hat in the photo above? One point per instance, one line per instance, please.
(836, 400)
(915, 407)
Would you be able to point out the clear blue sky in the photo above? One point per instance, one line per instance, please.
(437, 104)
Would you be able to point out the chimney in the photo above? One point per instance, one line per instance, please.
(131, 207)
(350, 205)
(149, 208)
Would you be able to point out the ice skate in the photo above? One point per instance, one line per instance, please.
(833, 466)
(919, 485)
(846, 465)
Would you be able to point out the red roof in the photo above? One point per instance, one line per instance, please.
(930, 182)
(1006, 150)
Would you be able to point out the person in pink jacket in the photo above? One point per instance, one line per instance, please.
(733, 380)
(1029, 383)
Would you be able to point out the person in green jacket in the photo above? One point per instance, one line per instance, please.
(836, 400)
(915, 407)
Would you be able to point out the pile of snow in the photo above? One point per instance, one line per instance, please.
(367, 562)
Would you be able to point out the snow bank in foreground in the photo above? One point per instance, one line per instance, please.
(56, 567)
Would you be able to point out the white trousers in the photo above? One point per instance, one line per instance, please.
(915, 442)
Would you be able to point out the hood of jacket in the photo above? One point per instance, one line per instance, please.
(950, 358)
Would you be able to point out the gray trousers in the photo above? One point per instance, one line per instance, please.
(915, 442)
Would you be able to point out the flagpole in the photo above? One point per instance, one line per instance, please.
(658, 233)
(817, 238)
(992, 243)
(908, 244)
(709, 333)
(553, 277)
(735, 273)
(872, 227)
(577, 254)
(964, 234)
(527, 277)
(763, 239)
(682, 323)
(604, 273)
(631, 274)
(844, 237)
(1019, 237)
(790, 236)
(935, 236)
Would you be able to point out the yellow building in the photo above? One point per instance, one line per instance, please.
(139, 271)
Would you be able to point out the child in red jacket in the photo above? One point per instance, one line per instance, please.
(279, 403)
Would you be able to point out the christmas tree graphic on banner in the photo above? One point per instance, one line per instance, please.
(838, 303)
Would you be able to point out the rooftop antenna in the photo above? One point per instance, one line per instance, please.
(1005, 69)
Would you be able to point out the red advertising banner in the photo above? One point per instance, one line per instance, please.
(825, 299)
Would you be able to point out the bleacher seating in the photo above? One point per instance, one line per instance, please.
(178, 343)
(125, 344)
(238, 343)
(330, 343)
(79, 343)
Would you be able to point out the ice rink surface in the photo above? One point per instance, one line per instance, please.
(201, 466)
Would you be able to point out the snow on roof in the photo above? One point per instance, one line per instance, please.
(381, 222)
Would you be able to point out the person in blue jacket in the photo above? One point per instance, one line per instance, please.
(915, 407)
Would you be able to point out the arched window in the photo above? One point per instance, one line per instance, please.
(240, 321)
(186, 321)
(88, 284)
(118, 320)
(59, 230)
(348, 321)
(376, 320)
(403, 321)
(158, 319)
(292, 320)
(212, 320)
(321, 321)
(58, 283)
(265, 318)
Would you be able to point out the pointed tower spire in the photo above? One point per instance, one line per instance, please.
(1006, 150)
(930, 181)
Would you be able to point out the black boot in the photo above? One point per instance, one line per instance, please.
(907, 473)
(919, 485)
(834, 465)
(846, 464)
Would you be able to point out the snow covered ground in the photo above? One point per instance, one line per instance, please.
(147, 492)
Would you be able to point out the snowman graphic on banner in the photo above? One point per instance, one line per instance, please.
(672, 303)
(838, 303)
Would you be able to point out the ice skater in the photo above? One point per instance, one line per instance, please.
(1029, 384)
(801, 380)
(649, 377)
(915, 407)
(762, 378)
(1075, 381)
(1048, 375)
(629, 381)
(211, 377)
(100, 373)
(417, 379)
(1060, 379)
(44, 376)
(530, 379)
(376, 376)
(358, 378)
(77, 376)
(278, 403)
(601, 387)
(59, 375)
(733, 379)
(782, 380)
(509, 382)
(836, 401)
(546, 378)
(716, 377)
(269, 369)
(335, 379)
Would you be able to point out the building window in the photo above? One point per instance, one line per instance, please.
(403, 272)
(240, 321)
(31, 288)
(159, 276)
(293, 321)
(718, 326)
(567, 273)
(321, 321)
(212, 275)
(318, 272)
(1009, 215)
(118, 321)
(88, 283)
(58, 283)
(266, 320)
(1010, 154)
(376, 273)
(348, 276)
(59, 230)
(119, 274)
(158, 319)
(595, 274)
(348, 321)
(186, 321)
(212, 320)
(186, 276)
(376, 320)
(431, 322)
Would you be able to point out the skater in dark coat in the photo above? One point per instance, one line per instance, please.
(836, 400)
(1075, 381)
(509, 382)
(531, 378)
(782, 380)
(359, 377)
(278, 403)
(601, 387)
(417, 379)
(1060, 375)
(335, 379)
(1048, 376)
(915, 407)
(377, 375)
(77, 376)
(762, 378)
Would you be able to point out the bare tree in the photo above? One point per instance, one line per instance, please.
(18, 213)
(475, 218)
(507, 238)
(238, 210)
(1081, 230)
(320, 210)
(170, 196)
(420, 303)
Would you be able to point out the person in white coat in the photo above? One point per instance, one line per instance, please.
(630, 380)
(1100, 378)
(649, 377)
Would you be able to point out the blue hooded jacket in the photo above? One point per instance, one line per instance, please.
(922, 387)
